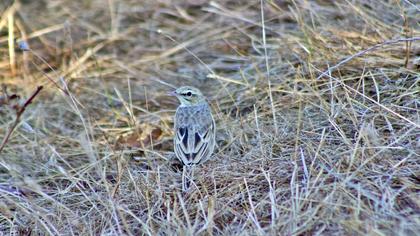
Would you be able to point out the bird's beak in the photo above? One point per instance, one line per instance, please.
(173, 93)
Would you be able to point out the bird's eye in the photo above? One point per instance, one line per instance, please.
(189, 94)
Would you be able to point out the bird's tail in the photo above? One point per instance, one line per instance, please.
(187, 177)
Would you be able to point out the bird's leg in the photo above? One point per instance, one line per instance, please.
(187, 177)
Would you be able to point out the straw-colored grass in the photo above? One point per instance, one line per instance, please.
(317, 108)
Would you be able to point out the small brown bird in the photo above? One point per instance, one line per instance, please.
(195, 131)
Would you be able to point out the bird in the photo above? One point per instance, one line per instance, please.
(195, 131)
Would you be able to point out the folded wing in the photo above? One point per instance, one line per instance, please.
(194, 144)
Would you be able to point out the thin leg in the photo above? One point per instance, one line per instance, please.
(187, 177)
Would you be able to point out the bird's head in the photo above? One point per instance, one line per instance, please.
(189, 96)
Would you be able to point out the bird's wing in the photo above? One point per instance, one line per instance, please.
(193, 145)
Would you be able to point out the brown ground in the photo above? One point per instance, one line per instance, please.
(298, 153)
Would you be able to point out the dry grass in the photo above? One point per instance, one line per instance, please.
(300, 152)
